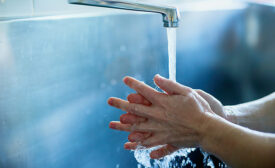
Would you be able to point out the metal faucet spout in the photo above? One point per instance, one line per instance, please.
(170, 14)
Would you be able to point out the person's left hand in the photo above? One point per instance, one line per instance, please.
(177, 120)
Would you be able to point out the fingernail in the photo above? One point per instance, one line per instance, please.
(159, 76)
(126, 146)
(126, 80)
(112, 126)
(110, 102)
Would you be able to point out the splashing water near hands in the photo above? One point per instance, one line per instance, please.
(142, 154)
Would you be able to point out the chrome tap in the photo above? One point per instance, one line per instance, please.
(170, 14)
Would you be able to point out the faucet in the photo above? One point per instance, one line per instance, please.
(170, 14)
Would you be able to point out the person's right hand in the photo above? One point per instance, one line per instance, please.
(176, 119)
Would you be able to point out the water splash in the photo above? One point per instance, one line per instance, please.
(179, 158)
(142, 156)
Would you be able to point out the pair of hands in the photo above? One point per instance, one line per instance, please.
(174, 119)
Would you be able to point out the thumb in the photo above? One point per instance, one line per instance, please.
(171, 87)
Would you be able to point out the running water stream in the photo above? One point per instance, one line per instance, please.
(141, 154)
(172, 47)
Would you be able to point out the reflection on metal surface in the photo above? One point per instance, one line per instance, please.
(6, 57)
(170, 14)
(210, 5)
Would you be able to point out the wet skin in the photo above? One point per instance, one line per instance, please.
(183, 117)
(173, 119)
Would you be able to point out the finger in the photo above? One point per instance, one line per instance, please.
(130, 145)
(119, 126)
(171, 87)
(148, 92)
(136, 109)
(138, 136)
(215, 104)
(138, 99)
(209, 98)
(154, 140)
(149, 126)
(129, 118)
(163, 151)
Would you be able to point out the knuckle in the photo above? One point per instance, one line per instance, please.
(132, 108)
(189, 90)
(140, 126)
(127, 128)
(190, 93)
(137, 127)
(190, 98)
(133, 127)
(199, 91)
(143, 127)
(141, 119)
(171, 82)
(139, 86)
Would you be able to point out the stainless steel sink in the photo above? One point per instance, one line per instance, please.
(56, 75)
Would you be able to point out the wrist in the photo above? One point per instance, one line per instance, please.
(211, 132)
(230, 114)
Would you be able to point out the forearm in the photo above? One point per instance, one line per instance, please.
(258, 115)
(238, 146)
